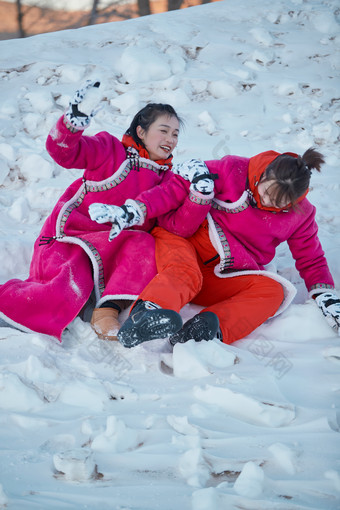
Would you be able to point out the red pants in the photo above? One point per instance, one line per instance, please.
(242, 303)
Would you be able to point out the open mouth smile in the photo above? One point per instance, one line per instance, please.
(166, 148)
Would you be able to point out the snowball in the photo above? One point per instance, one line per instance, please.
(72, 74)
(116, 438)
(7, 152)
(250, 482)
(181, 425)
(177, 98)
(127, 103)
(34, 167)
(41, 101)
(205, 499)
(76, 465)
(287, 88)
(193, 468)
(222, 89)
(186, 364)
(143, 65)
(19, 210)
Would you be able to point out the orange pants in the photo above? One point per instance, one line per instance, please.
(179, 277)
(242, 303)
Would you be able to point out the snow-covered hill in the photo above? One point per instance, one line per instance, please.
(89, 424)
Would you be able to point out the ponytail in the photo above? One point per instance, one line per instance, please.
(313, 159)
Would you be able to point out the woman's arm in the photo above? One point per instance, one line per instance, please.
(307, 251)
(74, 150)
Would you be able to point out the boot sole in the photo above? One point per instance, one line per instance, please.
(197, 329)
(158, 324)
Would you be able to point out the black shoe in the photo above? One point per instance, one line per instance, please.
(147, 322)
(203, 326)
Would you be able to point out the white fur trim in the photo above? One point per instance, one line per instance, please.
(115, 297)
(65, 206)
(288, 288)
(213, 236)
(200, 195)
(232, 205)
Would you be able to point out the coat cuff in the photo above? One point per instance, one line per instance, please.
(319, 288)
(199, 198)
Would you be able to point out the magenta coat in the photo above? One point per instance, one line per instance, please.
(72, 254)
(246, 237)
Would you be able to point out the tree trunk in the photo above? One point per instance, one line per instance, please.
(173, 5)
(19, 18)
(93, 14)
(144, 7)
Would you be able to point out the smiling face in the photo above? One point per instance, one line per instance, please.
(161, 137)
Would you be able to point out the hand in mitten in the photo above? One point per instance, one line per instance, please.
(84, 106)
(197, 172)
(329, 303)
(121, 217)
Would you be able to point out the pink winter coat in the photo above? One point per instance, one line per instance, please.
(246, 237)
(72, 254)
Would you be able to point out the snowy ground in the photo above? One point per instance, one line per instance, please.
(89, 424)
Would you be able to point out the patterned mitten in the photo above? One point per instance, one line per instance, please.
(197, 172)
(329, 303)
(83, 106)
(121, 217)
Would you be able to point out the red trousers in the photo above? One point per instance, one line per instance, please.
(242, 303)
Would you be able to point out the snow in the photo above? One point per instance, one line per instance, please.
(87, 424)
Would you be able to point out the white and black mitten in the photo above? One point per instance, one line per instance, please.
(197, 172)
(329, 303)
(121, 217)
(84, 106)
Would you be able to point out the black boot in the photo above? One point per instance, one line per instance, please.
(147, 321)
(203, 326)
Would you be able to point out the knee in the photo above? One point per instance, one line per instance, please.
(273, 291)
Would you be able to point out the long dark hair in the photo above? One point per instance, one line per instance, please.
(149, 114)
(291, 175)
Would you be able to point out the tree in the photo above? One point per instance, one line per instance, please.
(173, 5)
(20, 16)
(144, 7)
(93, 13)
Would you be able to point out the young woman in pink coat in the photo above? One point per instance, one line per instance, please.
(73, 254)
(259, 203)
